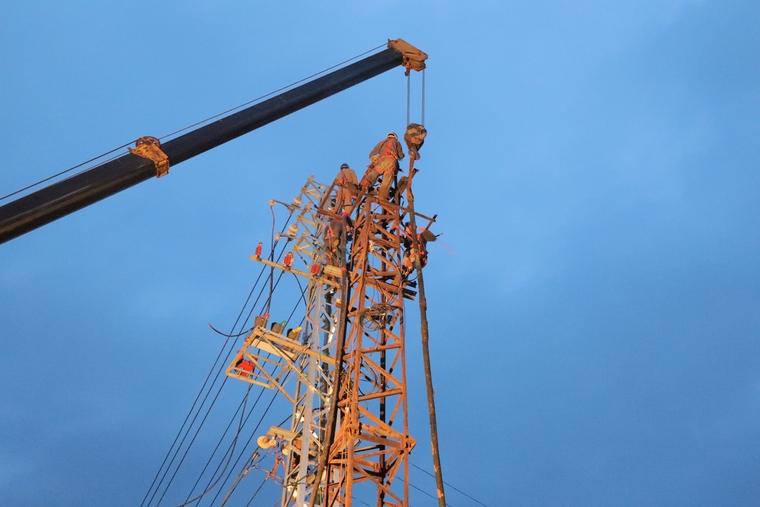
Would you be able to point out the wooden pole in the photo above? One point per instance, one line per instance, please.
(425, 339)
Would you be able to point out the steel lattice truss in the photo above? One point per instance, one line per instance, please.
(372, 442)
(371, 445)
(300, 363)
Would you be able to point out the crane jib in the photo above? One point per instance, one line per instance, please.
(76, 192)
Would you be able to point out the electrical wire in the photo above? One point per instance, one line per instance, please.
(232, 451)
(221, 439)
(176, 452)
(66, 171)
(243, 471)
(253, 432)
(271, 93)
(256, 492)
(194, 124)
(216, 378)
(200, 392)
(263, 481)
(285, 378)
(273, 286)
(449, 485)
(208, 411)
(223, 383)
(426, 493)
(237, 335)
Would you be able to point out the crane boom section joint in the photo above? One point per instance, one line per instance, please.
(150, 148)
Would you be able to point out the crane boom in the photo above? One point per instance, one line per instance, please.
(61, 198)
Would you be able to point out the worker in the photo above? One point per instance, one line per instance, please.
(336, 250)
(422, 240)
(348, 188)
(384, 159)
(398, 192)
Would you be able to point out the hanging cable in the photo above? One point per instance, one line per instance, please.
(276, 393)
(272, 286)
(221, 439)
(270, 93)
(237, 335)
(208, 411)
(426, 493)
(176, 452)
(423, 97)
(408, 97)
(206, 120)
(289, 318)
(449, 485)
(166, 489)
(234, 443)
(256, 492)
(242, 452)
(200, 392)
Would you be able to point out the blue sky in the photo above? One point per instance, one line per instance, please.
(595, 311)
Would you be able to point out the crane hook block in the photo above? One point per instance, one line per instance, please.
(149, 147)
(413, 58)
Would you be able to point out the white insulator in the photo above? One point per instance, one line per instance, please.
(265, 442)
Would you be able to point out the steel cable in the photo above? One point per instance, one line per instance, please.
(287, 375)
(449, 485)
(208, 410)
(176, 452)
(221, 439)
(201, 122)
(203, 387)
(67, 170)
(271, 93)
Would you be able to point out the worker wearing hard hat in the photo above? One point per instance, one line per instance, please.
(384, 157)
(347, 186)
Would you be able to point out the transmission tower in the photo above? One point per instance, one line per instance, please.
(297, 362)
(372, 442)
(345, 371)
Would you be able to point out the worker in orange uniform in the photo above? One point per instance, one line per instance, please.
(384, 159)
(336, 249)
(348, 188)
(422, 240)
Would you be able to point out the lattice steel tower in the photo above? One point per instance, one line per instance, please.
(346, 373)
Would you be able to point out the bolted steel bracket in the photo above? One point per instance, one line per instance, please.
(413, 58)
(149, 147)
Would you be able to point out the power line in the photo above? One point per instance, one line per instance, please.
(425, 493)
(449, 485)
(232, 344)
(200, 392)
